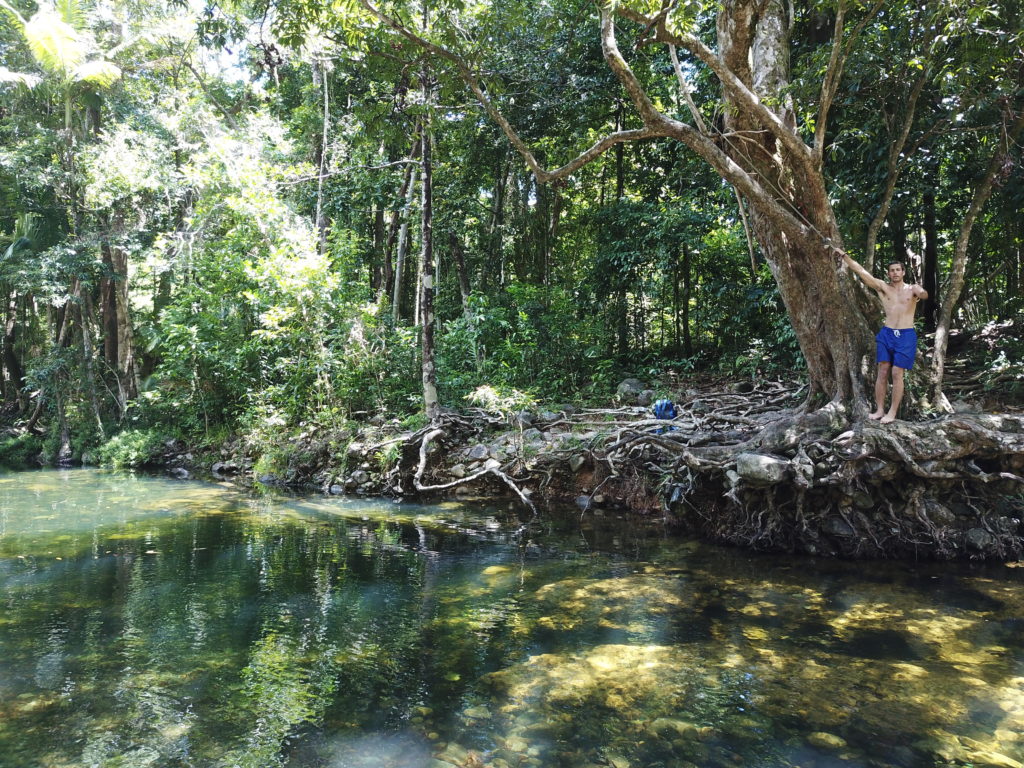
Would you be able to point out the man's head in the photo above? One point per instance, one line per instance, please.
(896, 272)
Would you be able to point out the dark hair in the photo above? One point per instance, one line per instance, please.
(897, 261)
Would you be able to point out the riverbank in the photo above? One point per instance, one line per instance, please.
(738, 465)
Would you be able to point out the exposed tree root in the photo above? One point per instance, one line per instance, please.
(490, 469)
(740, 468)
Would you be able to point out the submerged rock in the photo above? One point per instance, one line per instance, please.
(823, 740)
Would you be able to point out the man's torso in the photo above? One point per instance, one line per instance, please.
(900, 305)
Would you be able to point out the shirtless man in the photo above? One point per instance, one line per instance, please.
(897, 341)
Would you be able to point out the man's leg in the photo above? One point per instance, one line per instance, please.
(881, 384)
(897, 395)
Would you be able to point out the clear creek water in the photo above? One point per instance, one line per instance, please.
(152, 622)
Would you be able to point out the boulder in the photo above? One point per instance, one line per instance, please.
(645, 398)
(577, 461)
(459, 471)
(337, 490)
(760, 469)
(478, 452)
(981, 540)
(834, 525)
(629, 390)
(359, 477)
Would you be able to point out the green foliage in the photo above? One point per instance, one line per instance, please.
(131, 449)
(533, 339)
(257, 285)
(504, 402)
(20, 451)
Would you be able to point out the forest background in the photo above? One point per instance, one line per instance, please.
(214, 220)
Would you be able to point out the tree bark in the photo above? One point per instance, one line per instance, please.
(431, 406)
(320, 78)
(430, 401)
(388, 286)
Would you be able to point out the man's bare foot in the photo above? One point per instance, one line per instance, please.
(889, 418)
(876, 415)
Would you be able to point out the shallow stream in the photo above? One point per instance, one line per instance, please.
(154, 622)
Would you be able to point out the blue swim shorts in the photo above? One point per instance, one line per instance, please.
(897, 346)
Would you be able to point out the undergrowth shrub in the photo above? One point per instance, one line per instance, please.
(130, 449)
(21, 451)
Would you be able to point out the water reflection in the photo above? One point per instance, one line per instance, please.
(150, 622)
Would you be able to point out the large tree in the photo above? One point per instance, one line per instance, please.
(751, 129)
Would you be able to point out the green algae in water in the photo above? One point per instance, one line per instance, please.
(188, 625)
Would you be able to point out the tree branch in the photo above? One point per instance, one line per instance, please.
(662, 125)
(893, 172)
(834, 73)
(802, 155)
(684, 88)
(466, 72)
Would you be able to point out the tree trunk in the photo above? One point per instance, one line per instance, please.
(930, 266)
(403, 249)
(320, 78)
(15, 373)
(127, 368)
(430, 401)
(379, 253)
(89, 375)
(108, 308)
(687, 292)
(460, 270)
(833, 334)
(388, 287)
(982, 192)
(496, 226)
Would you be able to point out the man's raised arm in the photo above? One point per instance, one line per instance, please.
(869, 280)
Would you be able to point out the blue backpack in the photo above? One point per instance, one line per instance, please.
(665, 409)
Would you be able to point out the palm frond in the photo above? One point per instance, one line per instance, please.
(54, 43)
(22, 78)
(72, 12)
(100, 73)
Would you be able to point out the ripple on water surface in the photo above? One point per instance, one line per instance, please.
(152, 622)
